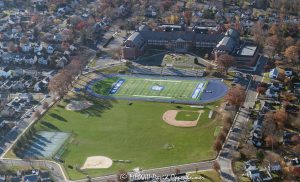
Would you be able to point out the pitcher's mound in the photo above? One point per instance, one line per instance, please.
(97, 162)
(76, 105)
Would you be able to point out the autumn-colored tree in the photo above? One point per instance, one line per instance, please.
(289, 41)
(225, 61)
(295, 139)
(221, 136)
(248, 150)
(236, 96)
(271, 141)
(288, 97)
(272, 46)
(258, 33)
(216, 166)
(274, 29)
(173, 19)
(292, 53)
(261, 90)
(296, 148)
(217, 145)
(188, 17)
(296, 171)
(37, 114)
(269, 125)
(281, 118)
(45, 105)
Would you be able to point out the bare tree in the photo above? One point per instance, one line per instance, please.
(217, 145)
(281, 118)
(258, 33)
(225, 61)
(37, 114)
(216, 166)
(45, 105)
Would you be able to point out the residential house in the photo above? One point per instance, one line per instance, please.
(29, 59)
(15, 179)
(50, 49)
(7, 57)
(37, 48)
(18, 59)
(295, 162)
(27, 96)
(257, 134)
(60, 63)
(256, 174)
(271, 93)
(8, 112)
(150, 12)
(274, 73)
(2, 178)
(26, 48)
(274, 167)
(6, 72)
(288, 72)
(30, 178)
(41, 86)
(45, 176)
(42, 60)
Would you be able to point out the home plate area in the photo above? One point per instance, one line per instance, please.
(97, 162)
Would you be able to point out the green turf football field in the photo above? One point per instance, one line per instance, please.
(150, 88)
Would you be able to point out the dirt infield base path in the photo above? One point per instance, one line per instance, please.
(170, 118)
(97, 162)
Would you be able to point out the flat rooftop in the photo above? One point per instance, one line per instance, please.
(247, 50)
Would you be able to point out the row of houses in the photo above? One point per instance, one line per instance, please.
(36, 53)
(28, 176)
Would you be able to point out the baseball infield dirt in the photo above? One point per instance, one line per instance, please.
(170, 118)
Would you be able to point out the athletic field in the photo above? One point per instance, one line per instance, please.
(159, 88)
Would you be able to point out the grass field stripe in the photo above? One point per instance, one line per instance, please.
(174, 81)
(151, 96)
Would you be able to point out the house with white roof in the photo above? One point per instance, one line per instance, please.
(274, 73)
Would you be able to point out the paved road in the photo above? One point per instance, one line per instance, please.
(241, 119)
(165, 171)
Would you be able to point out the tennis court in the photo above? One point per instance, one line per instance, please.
(45, 144)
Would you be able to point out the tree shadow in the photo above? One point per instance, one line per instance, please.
(99, 106)
(58, 117)
(206, 177)
(50, 125)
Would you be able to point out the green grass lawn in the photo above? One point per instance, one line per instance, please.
(187, 116)
(129, 132)
(205, 176)
(149, 88)
(217, 130)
